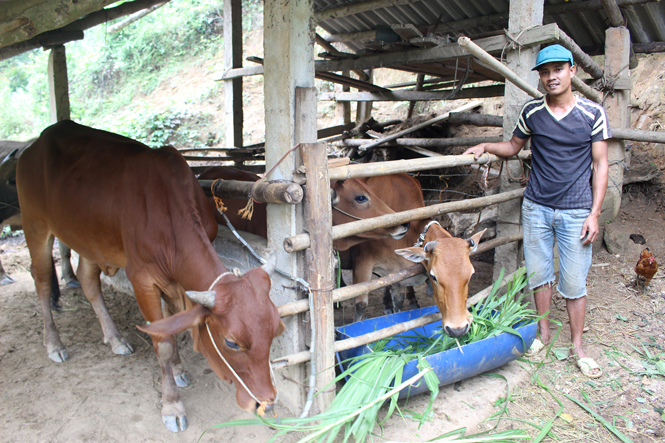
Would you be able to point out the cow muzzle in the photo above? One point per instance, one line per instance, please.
(400, 231)
(456, 332)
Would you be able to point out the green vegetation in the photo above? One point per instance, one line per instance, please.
(109, 73)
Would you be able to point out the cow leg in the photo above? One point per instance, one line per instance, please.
(397, 295)
(181, 378)
(411, 297)
(362, 272)
(40, 247)
(387, 300)
(5, 279)
(148, 298)
(89, 273)
(66, 266)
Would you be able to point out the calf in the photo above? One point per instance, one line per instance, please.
(120, 204)
(351, 200)
(446, 258)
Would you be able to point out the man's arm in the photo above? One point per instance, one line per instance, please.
(598, 188)
(502, 149)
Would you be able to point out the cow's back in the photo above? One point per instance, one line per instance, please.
(106, 195)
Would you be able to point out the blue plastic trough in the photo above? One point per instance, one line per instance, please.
(450, 366)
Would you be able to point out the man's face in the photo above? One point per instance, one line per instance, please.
(556, 77)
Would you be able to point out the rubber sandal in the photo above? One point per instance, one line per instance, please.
(587, 365)
(535, 348)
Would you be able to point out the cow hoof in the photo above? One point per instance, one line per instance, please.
(121, 346)
(181, 380)
(74, 284)
(174, 423)
(7, 280)
(59, 356)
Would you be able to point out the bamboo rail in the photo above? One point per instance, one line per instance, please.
(262, 192)
(424, 142)
(418, 164)
(302, 241)
(440, 118)
(343, 345)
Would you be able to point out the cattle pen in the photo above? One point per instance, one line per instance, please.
(421, 37)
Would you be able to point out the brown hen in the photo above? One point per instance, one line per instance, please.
(646, 266)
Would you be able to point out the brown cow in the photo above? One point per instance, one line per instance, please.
(120, 204)
(445, 257)
(352, 200)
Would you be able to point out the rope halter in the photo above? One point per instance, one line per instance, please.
(421, 238)
(347, 214)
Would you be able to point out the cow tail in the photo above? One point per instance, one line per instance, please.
(55, 289)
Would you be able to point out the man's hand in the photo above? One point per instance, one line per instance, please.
(477, 150)
(590, 229)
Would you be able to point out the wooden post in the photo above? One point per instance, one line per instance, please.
(523, 14)
(319, 268)
(290, 107)
(420, 78)
(233, 59)
(343, 109)
(58, 84)
(617, 54)
(364, 109)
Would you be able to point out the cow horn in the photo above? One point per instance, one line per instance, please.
(204, 298)
(430, 245)
(10, 155)
(270, 265)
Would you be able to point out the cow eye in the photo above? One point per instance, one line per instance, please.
(361, 198)
(431, 274)
(231, 344)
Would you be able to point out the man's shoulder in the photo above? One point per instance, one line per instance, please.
(533, 105)
(590, 106)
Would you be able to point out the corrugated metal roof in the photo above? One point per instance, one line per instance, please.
(646, 21)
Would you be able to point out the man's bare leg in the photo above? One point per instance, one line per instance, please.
(543, 298)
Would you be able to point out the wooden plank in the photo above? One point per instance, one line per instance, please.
(425, 142)
(319, 267)
(397, 96)
(71, 31)
(351, 82)
(58, 84)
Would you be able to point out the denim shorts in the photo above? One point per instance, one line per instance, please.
(542, 225)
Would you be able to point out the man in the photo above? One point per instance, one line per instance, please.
(564, 194)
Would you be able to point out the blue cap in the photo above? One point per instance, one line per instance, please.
(554, 53)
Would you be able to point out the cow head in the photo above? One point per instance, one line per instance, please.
(233, 326)
(449, 269)
(8, 194)
(353, 200)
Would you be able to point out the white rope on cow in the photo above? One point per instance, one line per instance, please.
(262, 404)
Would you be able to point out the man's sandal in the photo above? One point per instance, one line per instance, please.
(587, 365)
(535, 348)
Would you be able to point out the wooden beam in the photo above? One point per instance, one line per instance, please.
(262, 191)
(101, 16)
(581, 58)
(397, 96)
(343, 11)
(649, 48)
(52, 38)
(471, 118)
(351, 82)
(132, 19)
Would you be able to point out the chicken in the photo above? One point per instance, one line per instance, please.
(646, 267)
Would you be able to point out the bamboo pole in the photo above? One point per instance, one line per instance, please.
(638, 135)
(353, 342)
(302, 241)
(440, 118)
(418, 164)
(425, 142)
(262, 192)
(497, 66)
(132, 18)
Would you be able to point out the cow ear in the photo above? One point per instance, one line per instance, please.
(280, 328)
(474, 240)
(177, 323)
(413, 254)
